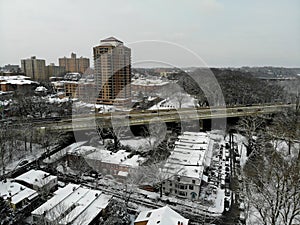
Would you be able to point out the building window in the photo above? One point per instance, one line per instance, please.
(193, 181)
(191, 187)
(181, 193)
(183, 187)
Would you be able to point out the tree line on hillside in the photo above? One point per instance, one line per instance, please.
(237, 87)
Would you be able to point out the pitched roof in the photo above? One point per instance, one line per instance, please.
(73, 204)
(111, 39)
(162, 216)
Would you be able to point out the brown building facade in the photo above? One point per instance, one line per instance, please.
(55, 71)
(112, 62)
(34, 68)
(73, 64)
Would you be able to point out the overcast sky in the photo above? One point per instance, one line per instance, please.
(221, 32)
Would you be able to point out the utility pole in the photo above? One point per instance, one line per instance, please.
(2, 110)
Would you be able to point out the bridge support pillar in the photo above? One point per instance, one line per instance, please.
(200, 125)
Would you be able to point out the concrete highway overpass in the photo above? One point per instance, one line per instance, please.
(134, 118)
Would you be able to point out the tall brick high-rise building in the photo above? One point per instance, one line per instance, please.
(55, 71)
(112, 61)
(73, 64)
(34, 68)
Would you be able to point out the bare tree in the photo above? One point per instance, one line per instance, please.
(3, 149)
(272, 189)
(116, 214)
(9, 144)
(154, 135)
(120, 126)
(48, 138)
(158, 172)
(61, 214)
(286, 126)
(131, 183)
(250, 127)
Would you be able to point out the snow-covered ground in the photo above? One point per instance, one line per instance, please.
(240, 140)
(186, 100)
(218, 206)
(63, 152)
(23, 155)
(137, 143)
(101, 108)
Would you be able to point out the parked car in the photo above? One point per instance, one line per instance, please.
(242, 217)
(227, 192)
(226, 204)
(23, 162)
(242, 206)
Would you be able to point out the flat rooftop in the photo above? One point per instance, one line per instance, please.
(16, 191)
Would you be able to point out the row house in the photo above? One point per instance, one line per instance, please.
(184, 167)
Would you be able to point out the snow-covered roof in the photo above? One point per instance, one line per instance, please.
(58, 197)
(120, 157)
(161, 216)
(82, 205)
(98, 106)
(63, 152)
(109, 39)
(188, 157)
(18, 192)
(87, 216)
(149, 82)
(37, 178)
(16, 77)
(18, 80)
(63, 82)
(122, 174)
(82, 150)
(40, 89)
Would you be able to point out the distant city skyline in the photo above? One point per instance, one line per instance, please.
(222, 33)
